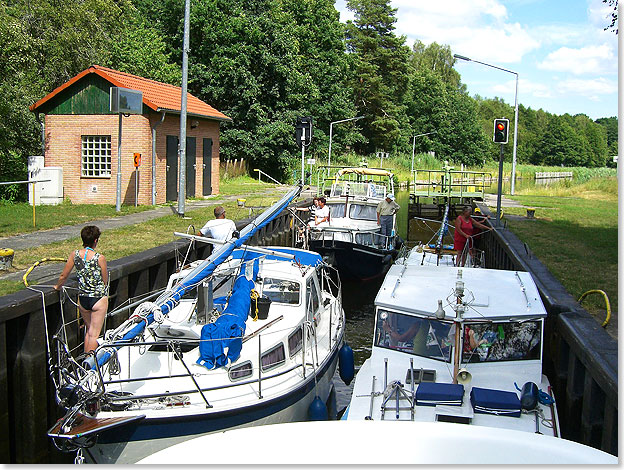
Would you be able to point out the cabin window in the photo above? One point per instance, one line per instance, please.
(240, 371)
(273, 358)
(414, 335)
(367, 238)
(312, 298)
(281, 291)
(504, 341)
(336, 210)
(295, 341)
(96, 156)
(363, 212)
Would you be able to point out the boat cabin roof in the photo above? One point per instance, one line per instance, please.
(363, 171)
(490, 294)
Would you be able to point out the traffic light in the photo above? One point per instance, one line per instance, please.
(501, 131)
(304, 127)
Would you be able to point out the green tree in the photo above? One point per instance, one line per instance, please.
(560, 144)
(610, 124)
(380, 72)
(439, 60)
(45, 43)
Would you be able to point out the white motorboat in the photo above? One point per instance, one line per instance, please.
(380, 443)
(249, 336)
(352, 240)
(460, 345)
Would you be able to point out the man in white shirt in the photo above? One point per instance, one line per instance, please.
(321, 214)
(220, 228)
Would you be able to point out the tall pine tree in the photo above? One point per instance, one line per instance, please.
(380, 74)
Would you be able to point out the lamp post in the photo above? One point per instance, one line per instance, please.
(414, 146)
(515, 144)
(331, 130)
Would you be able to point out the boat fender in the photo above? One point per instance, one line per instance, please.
(346, 363)
(317, 411)
(529, 396)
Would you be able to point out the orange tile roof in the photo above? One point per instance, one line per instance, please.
(156, 95)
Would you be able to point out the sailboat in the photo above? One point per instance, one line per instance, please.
(248, 336)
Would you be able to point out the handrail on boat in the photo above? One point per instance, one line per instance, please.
(171, 345)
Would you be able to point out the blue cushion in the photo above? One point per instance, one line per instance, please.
(432, 394)
(498, 402)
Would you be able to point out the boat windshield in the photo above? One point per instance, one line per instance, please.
(505, 341)
(282, 291)
(336, 210)
(425, 337)
(363, 212)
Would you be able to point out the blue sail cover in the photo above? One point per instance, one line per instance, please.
(305, 258)
(228, 330)
(169, 299)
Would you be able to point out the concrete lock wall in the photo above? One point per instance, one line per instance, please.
(28, 407)
(580, 357)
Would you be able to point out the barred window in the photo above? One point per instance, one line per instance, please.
(96, 156)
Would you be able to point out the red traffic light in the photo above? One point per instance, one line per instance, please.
(500, 131)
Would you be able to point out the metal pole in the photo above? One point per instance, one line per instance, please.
(515, 144)
(34, 203)
(185, 49)
(413, 151)
(303, 132)
(118, 200)
(136, 187)
(331, 130)
(154, 157)
(500, 186)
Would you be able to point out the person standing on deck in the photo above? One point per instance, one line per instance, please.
(92, 276)
(220, 228)
(464, 231)
(385, 212)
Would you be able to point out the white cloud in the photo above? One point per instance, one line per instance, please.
(475, 28)
(589, 88)
(585, 60)
(525, 88)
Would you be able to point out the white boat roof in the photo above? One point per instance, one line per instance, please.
(378, 443)
(490, 293)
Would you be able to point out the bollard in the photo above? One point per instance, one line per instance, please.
(6, 258)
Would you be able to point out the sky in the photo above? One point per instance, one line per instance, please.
(564, 60)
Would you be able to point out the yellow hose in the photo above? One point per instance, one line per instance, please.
(598, 291)
(37, 263)
(254, 297)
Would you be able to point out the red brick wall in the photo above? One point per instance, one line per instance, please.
(64, 148)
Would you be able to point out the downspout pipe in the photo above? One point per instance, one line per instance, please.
(158, 123)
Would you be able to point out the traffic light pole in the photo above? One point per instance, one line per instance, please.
(500, 186)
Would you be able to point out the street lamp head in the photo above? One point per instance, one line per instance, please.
(462, 57)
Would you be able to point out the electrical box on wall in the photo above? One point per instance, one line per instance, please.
(94, 188)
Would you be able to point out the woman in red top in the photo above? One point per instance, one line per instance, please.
(464, 230)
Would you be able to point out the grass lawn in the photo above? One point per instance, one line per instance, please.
(131, 239)
(18, 217)
(575, 236)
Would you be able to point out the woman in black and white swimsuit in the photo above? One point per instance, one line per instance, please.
(92, 284)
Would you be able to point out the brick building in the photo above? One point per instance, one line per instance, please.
(81, 136)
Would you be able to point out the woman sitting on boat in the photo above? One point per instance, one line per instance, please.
(464, 231)
(92, 284)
